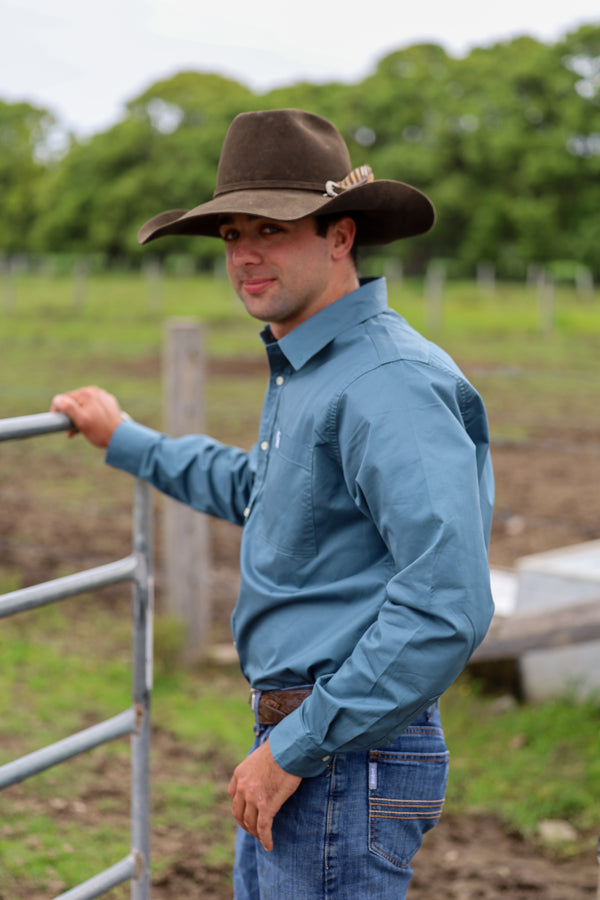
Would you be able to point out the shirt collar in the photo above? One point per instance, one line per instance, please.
(312, 335)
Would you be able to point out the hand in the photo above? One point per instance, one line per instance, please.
(259, 788)
(94, 412)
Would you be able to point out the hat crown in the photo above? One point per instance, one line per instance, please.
(281, 148)
(287, 164)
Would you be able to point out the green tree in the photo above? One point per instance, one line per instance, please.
(24, 133)
(162, 155)
(578, 55)
(506, 141)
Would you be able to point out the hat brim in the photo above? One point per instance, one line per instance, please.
(385, 211)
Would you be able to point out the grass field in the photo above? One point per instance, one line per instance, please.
(61, 509)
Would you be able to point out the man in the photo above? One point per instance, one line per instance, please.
(365, 504)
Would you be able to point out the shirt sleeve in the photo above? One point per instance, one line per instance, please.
(197, 470)
(413, 447)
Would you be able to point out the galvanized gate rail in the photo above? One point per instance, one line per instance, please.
(137, 568)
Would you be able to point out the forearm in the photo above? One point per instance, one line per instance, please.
(197, 470)
(401, 664)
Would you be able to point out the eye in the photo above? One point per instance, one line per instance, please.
(229, 234)
(271, 228)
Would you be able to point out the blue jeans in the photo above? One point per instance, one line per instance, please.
(351, 832)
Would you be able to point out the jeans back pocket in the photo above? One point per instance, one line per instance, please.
(406, 796)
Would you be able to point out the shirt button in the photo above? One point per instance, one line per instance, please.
(264, 445)
(246, 512)
(279, 380)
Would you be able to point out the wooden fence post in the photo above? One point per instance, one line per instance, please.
(8, 283)
(153, 272)
(80, 273)
(584, 281)
(434, 294)
(394, 271)
(486, 276)
(546, 302)
(185, 530)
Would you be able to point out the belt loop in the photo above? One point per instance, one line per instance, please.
(432, 710)
(253, 700)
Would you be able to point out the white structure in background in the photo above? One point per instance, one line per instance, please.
(550, 581)
(504, 591)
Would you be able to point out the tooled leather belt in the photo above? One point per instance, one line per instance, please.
(273, 706)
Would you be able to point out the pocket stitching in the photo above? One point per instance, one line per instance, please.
(380, 808)
(302, 546)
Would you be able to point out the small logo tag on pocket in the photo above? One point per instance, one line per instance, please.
(372, 776)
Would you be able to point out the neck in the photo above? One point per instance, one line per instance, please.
(337, 290)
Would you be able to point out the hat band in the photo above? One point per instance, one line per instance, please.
(360, 175)
(269, 185)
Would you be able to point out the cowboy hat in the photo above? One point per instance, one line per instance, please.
(285, 164)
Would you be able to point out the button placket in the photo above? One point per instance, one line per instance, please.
(271, 407)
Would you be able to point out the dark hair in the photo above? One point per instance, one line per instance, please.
(322, 225)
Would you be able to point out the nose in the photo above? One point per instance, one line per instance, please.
(245, 251)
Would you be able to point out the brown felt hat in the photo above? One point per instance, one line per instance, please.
(286, 164)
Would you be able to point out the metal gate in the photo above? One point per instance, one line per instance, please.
(137, 568)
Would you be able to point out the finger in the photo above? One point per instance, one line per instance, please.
(238, 807)
(231, 790)
(264, 833)
(78, 397)
(249, 819)
(64, 403)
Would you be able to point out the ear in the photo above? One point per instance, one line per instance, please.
(341, 236)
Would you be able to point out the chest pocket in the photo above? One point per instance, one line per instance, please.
(287, 506)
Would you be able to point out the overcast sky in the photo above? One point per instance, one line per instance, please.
(85, 60)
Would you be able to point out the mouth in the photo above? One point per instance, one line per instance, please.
(256, 285)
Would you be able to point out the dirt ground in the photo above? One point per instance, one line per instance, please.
(548, 497)
(463, 858)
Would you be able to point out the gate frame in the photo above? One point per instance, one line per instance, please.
(137, 568)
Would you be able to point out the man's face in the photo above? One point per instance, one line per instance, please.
(282, 271)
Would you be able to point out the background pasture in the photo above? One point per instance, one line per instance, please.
(61, 510)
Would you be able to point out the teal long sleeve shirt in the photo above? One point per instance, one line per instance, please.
(366, 508)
